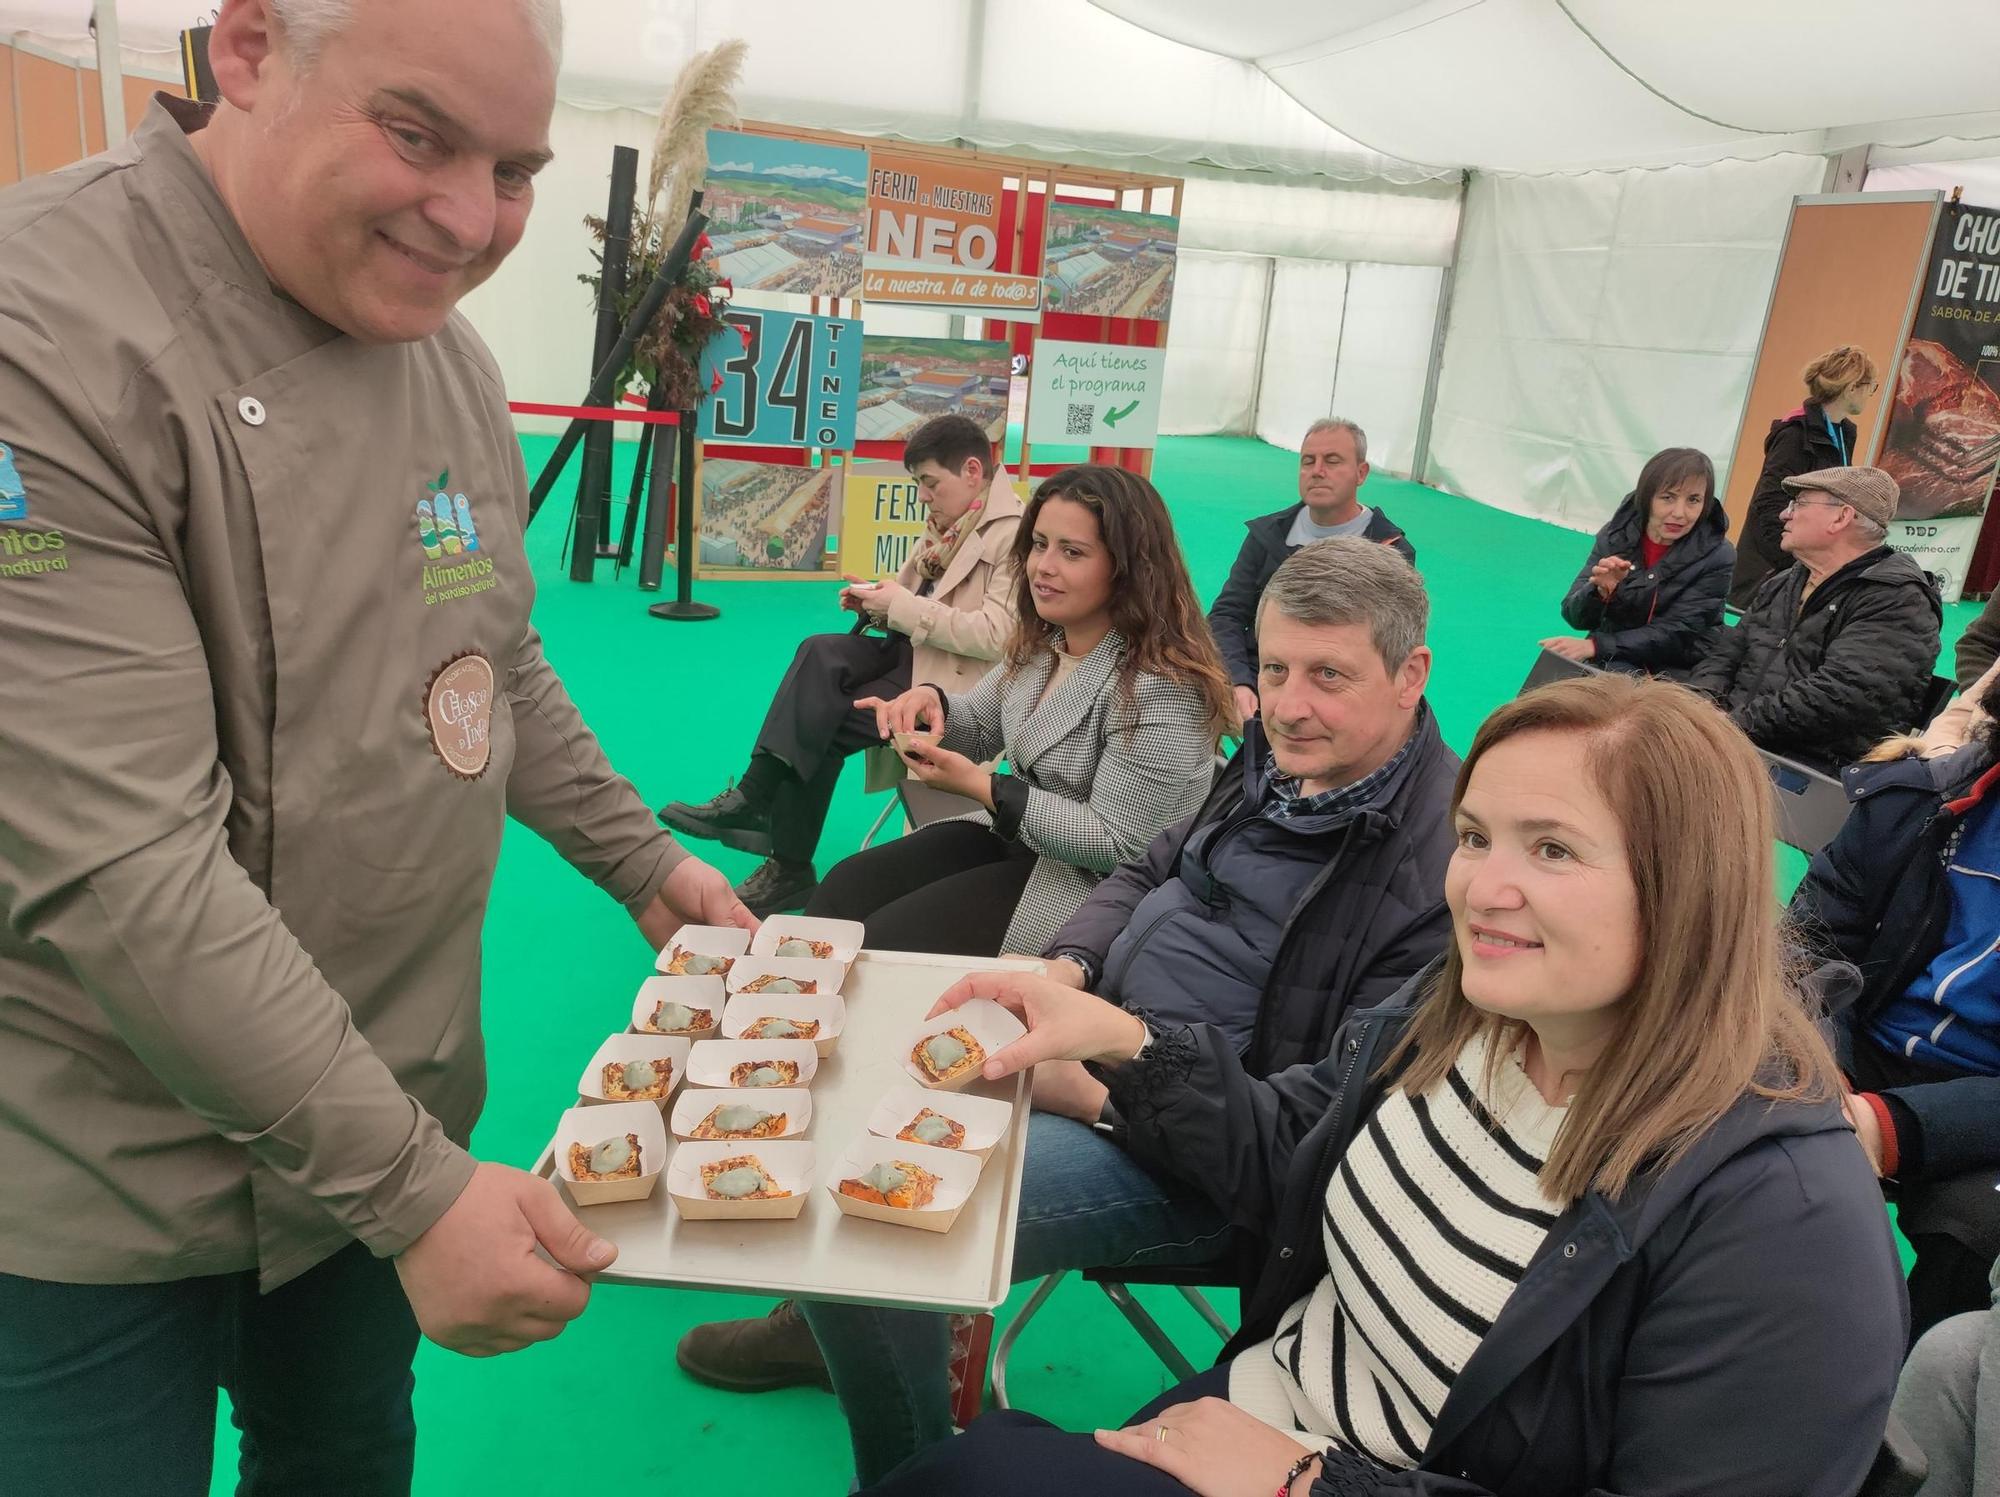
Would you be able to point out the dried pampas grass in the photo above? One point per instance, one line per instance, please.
(702, 99)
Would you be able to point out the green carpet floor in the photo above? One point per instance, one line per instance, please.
(677, 706)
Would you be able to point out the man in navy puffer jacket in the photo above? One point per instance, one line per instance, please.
(1909, 891)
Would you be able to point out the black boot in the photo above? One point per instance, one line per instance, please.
(732, 819)
(776, 887)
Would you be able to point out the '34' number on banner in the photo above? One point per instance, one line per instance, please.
(786, 380)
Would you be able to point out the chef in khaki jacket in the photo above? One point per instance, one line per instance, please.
(270, 691)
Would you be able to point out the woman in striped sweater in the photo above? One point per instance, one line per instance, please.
(1578, 1213)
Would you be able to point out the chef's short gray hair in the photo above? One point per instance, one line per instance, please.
(307, 25)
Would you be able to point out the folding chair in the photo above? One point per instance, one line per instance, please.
(1811, 806)
(1115, 1283)
(1549, 667)
(921, 805)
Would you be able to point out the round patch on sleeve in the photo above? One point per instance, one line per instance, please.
(458, 708)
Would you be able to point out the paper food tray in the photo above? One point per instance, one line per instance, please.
(709, 1062)
(846, 936)
(984, 1019)
(697, 1102)
(695, 992)
(623, 1047)
(588, 1126)
(828, 976)
(709, 940)
(788, 1161)
(985, 1119)
(956, 1177)
(746, 1009)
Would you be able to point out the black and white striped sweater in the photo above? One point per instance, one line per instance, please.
(1429, 1222)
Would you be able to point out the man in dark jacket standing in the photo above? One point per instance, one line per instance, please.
(1311, 884)
(1910, 893)
(1835, 653)
(1333, 464)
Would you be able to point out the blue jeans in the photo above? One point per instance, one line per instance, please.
(1085, 1203)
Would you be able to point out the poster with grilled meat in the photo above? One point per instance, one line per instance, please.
(1942, 444)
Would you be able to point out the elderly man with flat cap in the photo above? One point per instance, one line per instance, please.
(1835, 653)
(271, 692)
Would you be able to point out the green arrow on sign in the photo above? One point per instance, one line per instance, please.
(1112, 418)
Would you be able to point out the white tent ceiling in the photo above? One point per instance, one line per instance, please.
(1055, 77)
(1544, 85)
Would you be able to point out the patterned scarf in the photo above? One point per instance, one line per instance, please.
(934, 552)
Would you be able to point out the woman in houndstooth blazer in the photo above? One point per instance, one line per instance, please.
(1107, 708)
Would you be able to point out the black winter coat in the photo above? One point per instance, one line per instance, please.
(1877, 896)
(1733, 1325)
(1233, 619)
(1826, 683)
(1662, 619)
(1371, 918)
(1798, 443)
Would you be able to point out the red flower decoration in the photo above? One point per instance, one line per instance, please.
(727, 285)
(715, 382)
(743, 332)
(702, 246)
(702, 305)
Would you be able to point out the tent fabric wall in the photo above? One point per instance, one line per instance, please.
(1214, 343)
(1599, 317)
(1385, 355)
(1301, 346)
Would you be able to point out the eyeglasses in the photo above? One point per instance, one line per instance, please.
(1810, 503)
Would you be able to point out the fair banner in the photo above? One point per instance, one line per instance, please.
(785, 215)
(763, 518)
(906, 381)
(1103, 262)
(1942, 445)
(882, 516)
(780, 379)
(933, 240)
(1095, 393)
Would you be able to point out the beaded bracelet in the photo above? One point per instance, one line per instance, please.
(1298, 1466)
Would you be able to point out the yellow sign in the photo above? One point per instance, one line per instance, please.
(883, 514)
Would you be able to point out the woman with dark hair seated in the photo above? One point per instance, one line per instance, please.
(1578, 1214)
(1107, 706)
(1651, 593)
(1909, 891)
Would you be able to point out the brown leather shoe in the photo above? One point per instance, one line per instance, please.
(755, 1356)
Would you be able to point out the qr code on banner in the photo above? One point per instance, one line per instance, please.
(1081, 419)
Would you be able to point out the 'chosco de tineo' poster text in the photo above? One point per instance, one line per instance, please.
(1942, 444)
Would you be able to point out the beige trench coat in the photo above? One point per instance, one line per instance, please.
(270, 693)
(963, 626)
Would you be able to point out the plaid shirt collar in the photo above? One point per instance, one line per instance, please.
(1283, 801)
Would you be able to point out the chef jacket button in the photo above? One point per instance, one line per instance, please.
(251, 410)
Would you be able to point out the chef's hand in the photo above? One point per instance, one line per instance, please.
(1063, 1024)
(1608, 573)
(1214, 1449)
(474, 1279)
(918, 710)
(695, 893)
(949, 771)
(1571, 649)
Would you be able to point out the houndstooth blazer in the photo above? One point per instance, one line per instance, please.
(1106, 774)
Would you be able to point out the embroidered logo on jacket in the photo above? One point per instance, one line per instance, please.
(446, 532)
(13, 493)
(458, 710)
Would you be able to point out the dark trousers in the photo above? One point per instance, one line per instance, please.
(111, 1387)
(813, 726)
(1953, 1224)
(950, 888)
(1008, 1452)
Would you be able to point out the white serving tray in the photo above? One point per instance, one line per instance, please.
(823, 1254)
